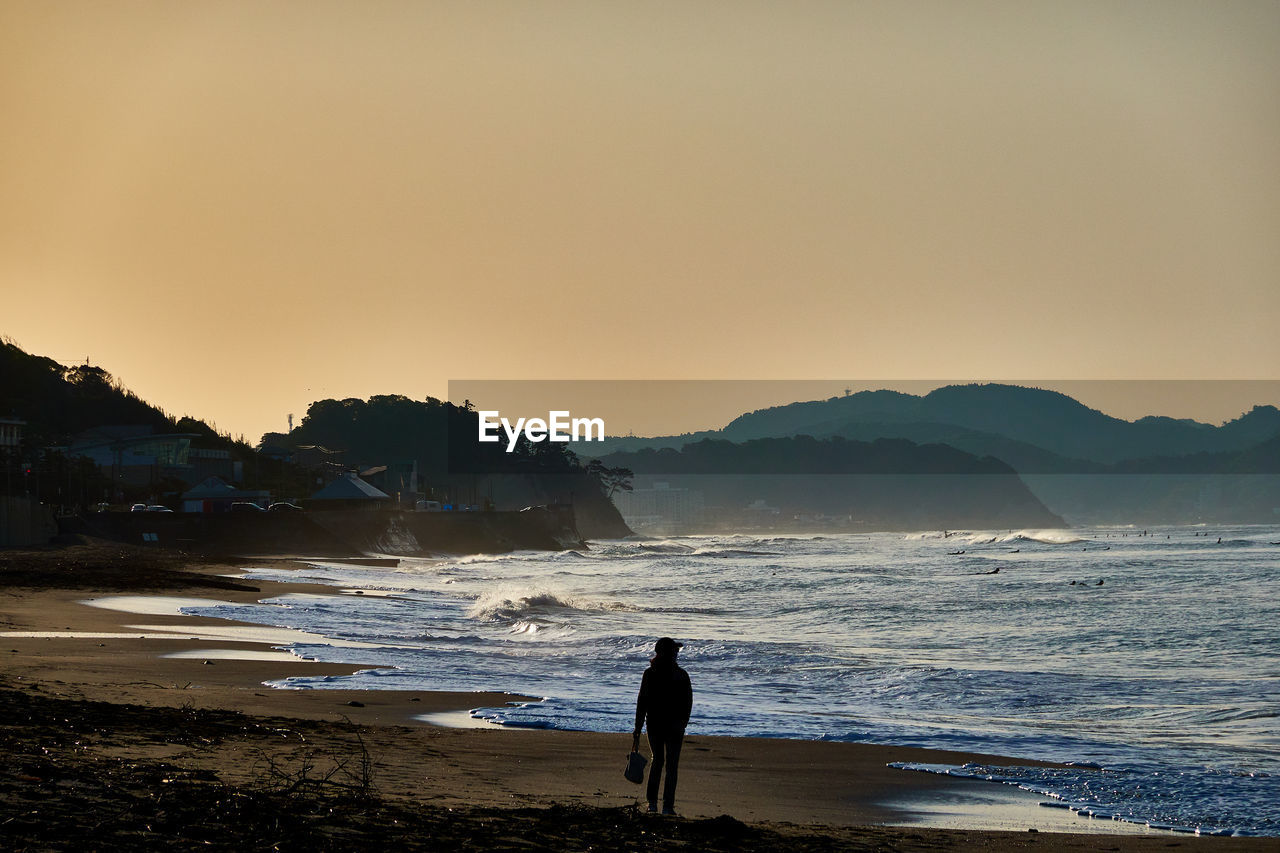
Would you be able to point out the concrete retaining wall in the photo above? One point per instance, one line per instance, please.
(25, 522)
(344, 532)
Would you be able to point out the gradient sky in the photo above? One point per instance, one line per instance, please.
(239, 208)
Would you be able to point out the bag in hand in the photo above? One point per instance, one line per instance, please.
(635, 768)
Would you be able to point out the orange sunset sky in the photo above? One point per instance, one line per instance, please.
(239, 208)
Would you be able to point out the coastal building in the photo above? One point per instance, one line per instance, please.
(323, 463)
(11, 433)
(761, 508)
(661, 507)
(320, 463)
(349, 492)
(397, 479)
(135, 455)
(210, 462)
(217, 495)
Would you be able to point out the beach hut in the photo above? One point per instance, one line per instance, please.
(349, 492)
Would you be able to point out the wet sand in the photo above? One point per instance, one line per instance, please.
(158, 695)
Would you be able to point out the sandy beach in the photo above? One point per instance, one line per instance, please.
(147, 728)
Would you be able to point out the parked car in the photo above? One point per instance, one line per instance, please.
(246, 506)
(158, 508)
(284, 506)
(138, 508)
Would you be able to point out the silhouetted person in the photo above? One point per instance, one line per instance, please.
(664, 702)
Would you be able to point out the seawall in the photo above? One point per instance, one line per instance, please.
(24, 522)
(348, 532)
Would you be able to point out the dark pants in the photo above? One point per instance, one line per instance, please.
(666, 753)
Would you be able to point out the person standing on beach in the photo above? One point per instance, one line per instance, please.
(664, 703)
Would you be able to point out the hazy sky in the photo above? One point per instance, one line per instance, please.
(239, 208)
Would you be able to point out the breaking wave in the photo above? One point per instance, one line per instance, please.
(1046, 537)
(730, 552)
(512, 607)
(986, 537)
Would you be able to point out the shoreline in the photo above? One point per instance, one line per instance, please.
(761, 781)
(103, 653)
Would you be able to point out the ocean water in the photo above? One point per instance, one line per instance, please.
(1148, 659)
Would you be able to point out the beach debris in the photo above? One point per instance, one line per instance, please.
(76, 782)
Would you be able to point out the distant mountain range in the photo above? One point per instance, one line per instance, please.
(1068, 453)
(1032, 430)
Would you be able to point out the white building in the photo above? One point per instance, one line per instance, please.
(11, 433)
